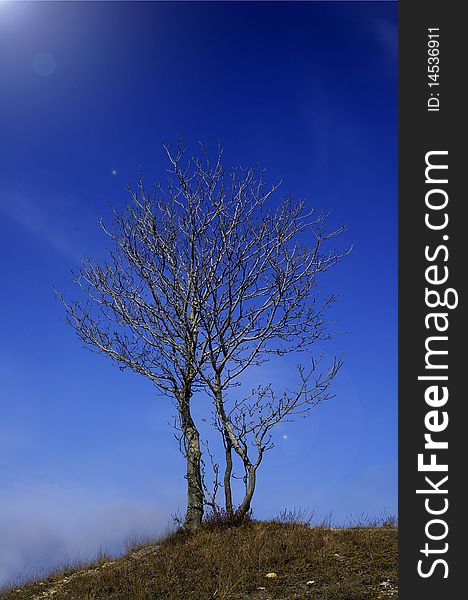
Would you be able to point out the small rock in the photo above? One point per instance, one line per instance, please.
(271, 575)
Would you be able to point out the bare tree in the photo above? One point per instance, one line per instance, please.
(141, 307)
(207, 278)
(262, 300)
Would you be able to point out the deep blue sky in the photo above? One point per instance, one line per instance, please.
(308, 90)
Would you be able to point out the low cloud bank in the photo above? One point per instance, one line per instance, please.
(43, 526)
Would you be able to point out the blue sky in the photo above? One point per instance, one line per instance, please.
(90, 91)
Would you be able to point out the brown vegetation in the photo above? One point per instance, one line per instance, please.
(221, 561)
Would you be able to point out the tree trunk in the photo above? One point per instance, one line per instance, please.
(244, 507)
(227, 477)
(231, 442)
(193, 518)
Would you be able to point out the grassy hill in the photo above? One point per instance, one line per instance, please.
(257, 561)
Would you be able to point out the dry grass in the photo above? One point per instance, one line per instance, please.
(222, 561)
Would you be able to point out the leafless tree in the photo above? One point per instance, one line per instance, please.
(207, 277)
(141, 306)
(262, 300)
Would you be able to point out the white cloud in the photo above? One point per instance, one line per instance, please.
(44, 525)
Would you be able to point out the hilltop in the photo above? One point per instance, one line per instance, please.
(255, 561)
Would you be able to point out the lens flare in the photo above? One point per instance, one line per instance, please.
(10, 9)
(43, 64)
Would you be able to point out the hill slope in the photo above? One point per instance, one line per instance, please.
(220, 563)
